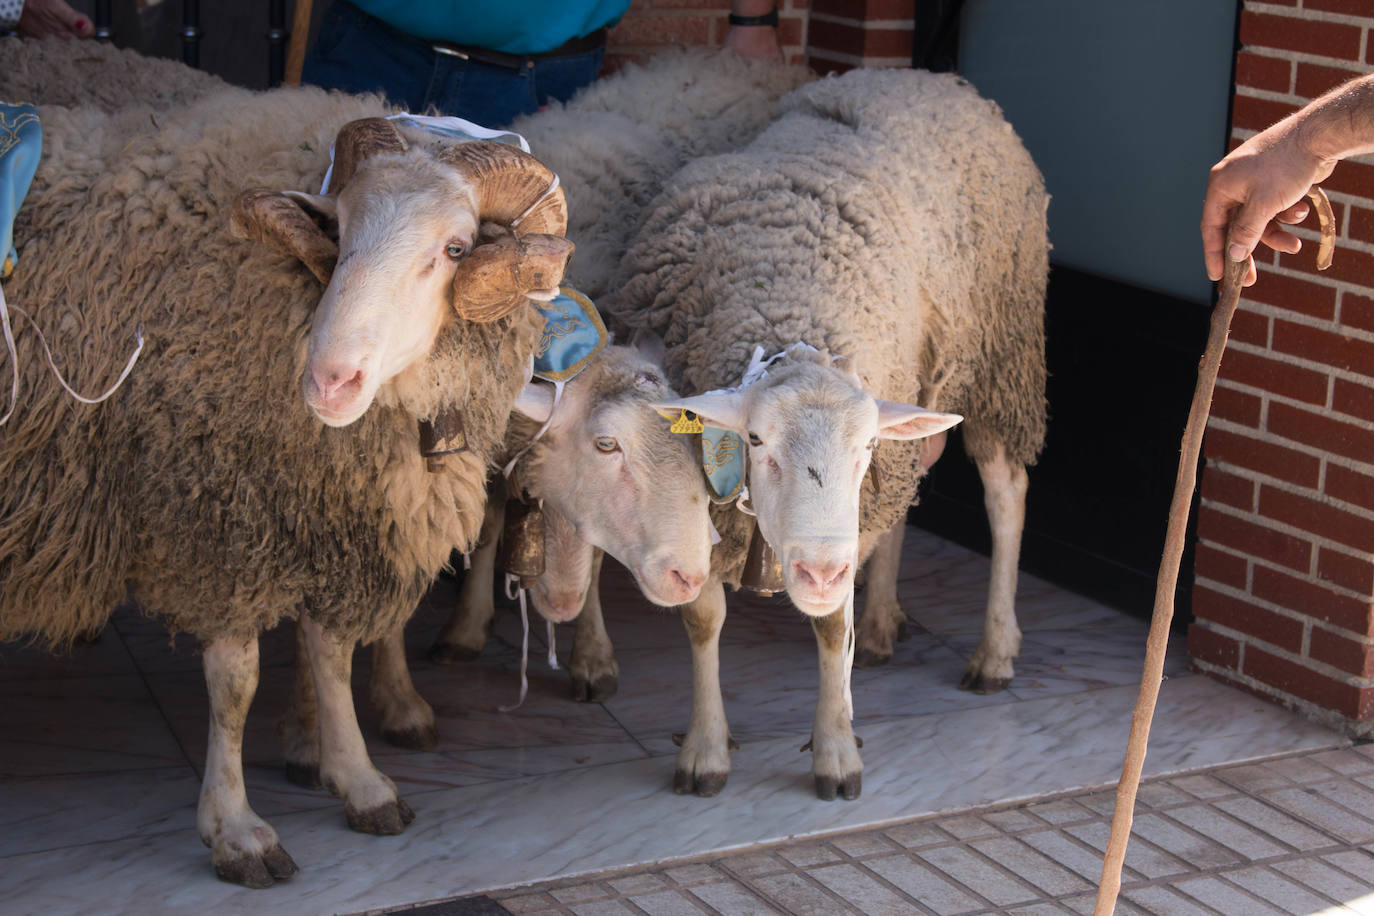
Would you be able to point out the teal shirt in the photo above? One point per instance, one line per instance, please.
(511, 26)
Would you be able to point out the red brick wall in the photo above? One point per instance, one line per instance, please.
(1284, 589)
(650, 25)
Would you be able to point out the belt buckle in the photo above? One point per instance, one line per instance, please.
(451, 52)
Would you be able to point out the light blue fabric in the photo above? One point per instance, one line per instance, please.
(21, 142)
(530, 27)
(722, 458)
(573, 333)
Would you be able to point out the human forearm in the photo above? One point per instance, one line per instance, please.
(1336, 125)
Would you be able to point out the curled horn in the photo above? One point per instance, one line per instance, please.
(513, 188)
(277, 221)
(358, 140)
(516, 190)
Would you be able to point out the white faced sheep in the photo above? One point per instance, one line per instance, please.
(613, 145)
(895, 219)
(607, 472)
(207, 485)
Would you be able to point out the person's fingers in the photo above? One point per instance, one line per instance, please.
(1281, 239)
(1215, 214)
(1250, 273)
(1294, 214)
(82, 27)
(1246, 230)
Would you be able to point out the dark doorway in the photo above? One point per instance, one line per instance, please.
(1125, 146)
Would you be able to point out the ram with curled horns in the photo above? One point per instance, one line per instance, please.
(206, 489)
(407, 215)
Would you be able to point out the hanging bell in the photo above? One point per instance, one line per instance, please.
(444, 435)
(522, 542)
(762, 569)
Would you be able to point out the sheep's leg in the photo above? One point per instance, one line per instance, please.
(299, 728)
(243, 848)
(407, 720)
(372, 804)
(1004, 494)
(595, 674)
(835, 760)
(703, 764)
(883, 619)
(465, 635)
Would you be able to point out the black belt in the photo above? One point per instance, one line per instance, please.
(581, 45)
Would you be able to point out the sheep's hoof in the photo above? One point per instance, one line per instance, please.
(305, 775)
(704, 785)
(867, 658)
(257, 871)
(827, 787)
(416, 738)
(977, 683)
(384, 820)
(596, 691)
(446, 653)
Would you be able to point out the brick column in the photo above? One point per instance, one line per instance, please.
(1284, 589)
(651, 25)
(845, 34)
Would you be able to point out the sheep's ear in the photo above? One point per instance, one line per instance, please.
(649, 345)
(723, 409)
(278, 221)
(325, 205)
(535, 401)
(906, 421)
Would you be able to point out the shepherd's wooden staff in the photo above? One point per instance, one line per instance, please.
(295, 50)
(1163, 616)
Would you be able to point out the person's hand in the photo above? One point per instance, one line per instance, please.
(758, 41)
(41, 18)
(1253, 192)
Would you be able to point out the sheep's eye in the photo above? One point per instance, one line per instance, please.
(456, 251)
(606, 445)
(754, 439)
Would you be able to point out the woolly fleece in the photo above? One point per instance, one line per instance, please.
(615, 143)
(204, 486)
(889, 216)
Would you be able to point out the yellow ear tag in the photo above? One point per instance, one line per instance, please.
(687, 423)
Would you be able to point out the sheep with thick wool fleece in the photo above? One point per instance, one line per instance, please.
(204, 486)
(893, 218)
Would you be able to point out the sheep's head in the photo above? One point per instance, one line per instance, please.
(609, 465)
(408, 252)
(811, 431)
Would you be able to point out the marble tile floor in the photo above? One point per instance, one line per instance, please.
(101, 749)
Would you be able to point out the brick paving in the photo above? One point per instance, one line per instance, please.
(1293, 835)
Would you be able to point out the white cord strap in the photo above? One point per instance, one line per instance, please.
(14, 360)
(542, 197)
(524, 640)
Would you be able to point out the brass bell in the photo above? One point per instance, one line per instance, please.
(522, 542)
(762, 569)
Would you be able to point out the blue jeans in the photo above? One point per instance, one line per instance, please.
(357, 52)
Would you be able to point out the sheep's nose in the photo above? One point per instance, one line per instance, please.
(820, 577)
(332, 382)
(688, 580)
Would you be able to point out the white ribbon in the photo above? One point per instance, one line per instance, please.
(438, 125)
(524, 640)
(14, 360)
(551, 657)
